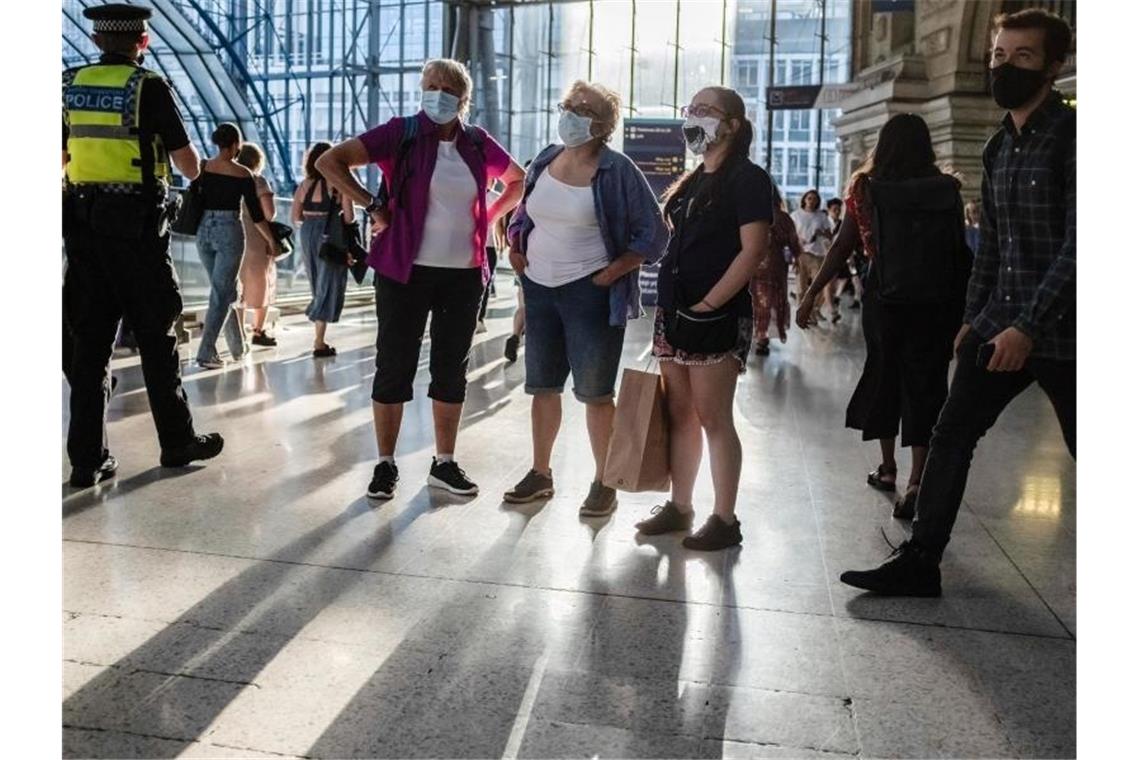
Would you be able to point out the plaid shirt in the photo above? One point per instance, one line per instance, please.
(1025, 271)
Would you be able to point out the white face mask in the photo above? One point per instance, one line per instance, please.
(574, 130)
(441, 107)
(700, 132)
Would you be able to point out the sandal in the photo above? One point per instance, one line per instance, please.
(876, 480)
(904, 507)
(321, 353)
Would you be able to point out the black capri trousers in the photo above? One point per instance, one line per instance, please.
(452, 297)
(909, 348)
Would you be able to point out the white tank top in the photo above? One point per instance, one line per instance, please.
(450, 224)
(566, 242)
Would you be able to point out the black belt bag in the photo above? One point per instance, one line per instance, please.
(710, 332)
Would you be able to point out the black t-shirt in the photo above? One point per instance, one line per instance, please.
(704, 244)
(157, 112)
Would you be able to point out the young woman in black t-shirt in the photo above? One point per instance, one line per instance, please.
(719, 215)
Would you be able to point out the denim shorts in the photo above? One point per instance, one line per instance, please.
(568, 332)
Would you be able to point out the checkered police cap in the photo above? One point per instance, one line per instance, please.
(117, 17)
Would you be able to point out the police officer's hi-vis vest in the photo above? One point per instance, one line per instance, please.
(104, 143)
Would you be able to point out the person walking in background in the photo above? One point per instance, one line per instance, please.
(770, 282)
(587, 222)
(225, 185)
(909, 334)
(518, 321)
(814, 229)
(258, 273)
(429, 254)
(1019, 324)
(328, 280)
(974, 226)
(850, 273)
(719, 213)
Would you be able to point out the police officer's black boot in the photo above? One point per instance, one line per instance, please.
(202, 447)
(85, 477)
(910, 570)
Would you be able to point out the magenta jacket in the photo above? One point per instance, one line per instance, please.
(393, 252)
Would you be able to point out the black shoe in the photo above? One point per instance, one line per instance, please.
(877, 479)
(904, 507)
(202, 447)
(384, 479)
(85, 477)
(855, 305)
(763, 348)
(450, 477)
(511, 349)
(262, 339)
(324, 353)
(532, 487)
(666, 518)
(908, 571)
(715, 534)
(601, 501)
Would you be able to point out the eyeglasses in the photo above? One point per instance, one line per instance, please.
(700, 110)
(578, 110)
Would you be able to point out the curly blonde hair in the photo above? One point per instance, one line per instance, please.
(611, 113)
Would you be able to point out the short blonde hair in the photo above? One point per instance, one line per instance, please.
(456, 75)
(611, 108)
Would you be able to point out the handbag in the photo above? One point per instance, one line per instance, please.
(709, 332)
(192, 209)
(334, 240)
(284, 235)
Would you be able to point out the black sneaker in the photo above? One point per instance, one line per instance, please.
(262, 339)
(202, 447)
(714, 535)
(601, 501)
(85, 477)
(666, 518)
(450, 477)
(904, 507)
(511, 349)
(908, 571)
(532, 487)
(384, 479)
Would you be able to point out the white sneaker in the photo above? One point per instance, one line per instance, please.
(211, 364)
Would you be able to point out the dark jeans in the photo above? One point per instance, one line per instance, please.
(976, 398)
(452, 298)
(109, 278)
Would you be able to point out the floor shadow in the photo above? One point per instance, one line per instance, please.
(77, 501)
(179, 681)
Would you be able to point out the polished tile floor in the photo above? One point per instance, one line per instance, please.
(261, 606)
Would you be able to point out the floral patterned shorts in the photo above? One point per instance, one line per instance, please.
(666, 353)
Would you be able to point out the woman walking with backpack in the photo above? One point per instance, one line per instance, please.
(429, 251)
(913, 295)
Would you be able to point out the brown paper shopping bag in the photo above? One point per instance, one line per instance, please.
(638, 459)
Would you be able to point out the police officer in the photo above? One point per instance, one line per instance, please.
(121, 132)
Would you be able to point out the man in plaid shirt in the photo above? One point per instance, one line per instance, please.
(1020, 317)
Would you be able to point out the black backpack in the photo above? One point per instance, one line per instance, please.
(921, 255)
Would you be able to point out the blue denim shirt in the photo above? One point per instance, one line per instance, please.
(628, 215)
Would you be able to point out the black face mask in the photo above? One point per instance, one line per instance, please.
(1012, 86)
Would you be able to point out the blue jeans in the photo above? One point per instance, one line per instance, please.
(568, 331)
(221, 242)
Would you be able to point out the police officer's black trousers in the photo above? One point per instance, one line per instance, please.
(109, 278)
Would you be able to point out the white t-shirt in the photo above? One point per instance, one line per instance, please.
(807, 222)
(450, 223)
(566, 242)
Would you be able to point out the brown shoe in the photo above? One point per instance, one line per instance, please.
(714, 535)
(666, 518)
